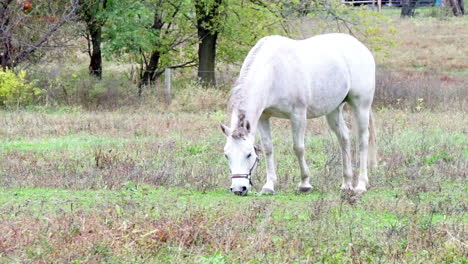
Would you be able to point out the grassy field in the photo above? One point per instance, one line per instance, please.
(135, 181)
(146, 224)
(126, 186)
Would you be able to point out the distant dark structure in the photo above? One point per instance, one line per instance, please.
(396, 3)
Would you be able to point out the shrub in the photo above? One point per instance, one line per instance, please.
(15, 89)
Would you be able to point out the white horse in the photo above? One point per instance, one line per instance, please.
(297, 80)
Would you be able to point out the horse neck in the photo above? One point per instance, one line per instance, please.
(253, 93)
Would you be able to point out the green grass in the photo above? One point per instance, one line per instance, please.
(283, 227)
(69, 142)
(144, 187)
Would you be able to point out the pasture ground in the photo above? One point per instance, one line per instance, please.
(79, 187)
(146, 183)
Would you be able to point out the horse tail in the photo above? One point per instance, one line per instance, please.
(372, 152)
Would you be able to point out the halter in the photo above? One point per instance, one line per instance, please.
(247, 175)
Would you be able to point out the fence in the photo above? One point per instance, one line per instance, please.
(396, 3)
(361, 2)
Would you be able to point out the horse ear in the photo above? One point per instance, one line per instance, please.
(226, 130)
(241, 119)
(247, 126)
(257, 149)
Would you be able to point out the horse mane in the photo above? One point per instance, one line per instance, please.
(237, 97)
(243, 127)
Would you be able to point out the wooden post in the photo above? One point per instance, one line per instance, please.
(379, 5)
(167, 74)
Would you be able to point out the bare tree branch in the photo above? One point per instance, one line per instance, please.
(15, 48)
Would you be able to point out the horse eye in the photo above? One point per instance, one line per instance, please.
(250, 155)
(225, 155)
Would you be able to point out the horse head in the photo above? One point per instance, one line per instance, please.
(241, 153)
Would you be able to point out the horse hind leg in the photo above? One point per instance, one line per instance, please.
(298, 122)
(362, 114)
(338, 125)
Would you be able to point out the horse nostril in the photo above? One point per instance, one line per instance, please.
(230, 189)
(244, 188)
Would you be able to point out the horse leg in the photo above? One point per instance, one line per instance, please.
(267, 144)
(361, 113)
(338, 125)
(299, 122)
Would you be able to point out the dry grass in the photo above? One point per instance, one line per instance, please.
(414, 91)
(435, 46)
(141, 225)
(106, 149)
(427, 67)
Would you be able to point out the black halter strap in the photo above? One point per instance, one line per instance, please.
(248, 175)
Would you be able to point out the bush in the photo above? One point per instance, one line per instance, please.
(78, 88)
(15, 89)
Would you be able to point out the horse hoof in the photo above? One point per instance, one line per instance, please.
(359, 190)
(305, 189)
(267, 191)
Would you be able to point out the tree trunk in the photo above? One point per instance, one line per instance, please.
(5, 56)
(407, 8)
(5, 37)
(150, 74)
(208, 29)
(457, 7)
(95, 65)
(206, 57)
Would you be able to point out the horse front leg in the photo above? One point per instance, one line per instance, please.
(338, 125)
(299, 122)
(267, 145)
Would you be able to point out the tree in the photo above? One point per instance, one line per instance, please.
(458, 7)
(408, 7)
(330, 16)
(27, 26)
(227, 29)
(155, 34)
(92, 13)
(208, 27)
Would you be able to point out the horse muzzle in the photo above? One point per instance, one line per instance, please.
(240, 190)
(240, 184)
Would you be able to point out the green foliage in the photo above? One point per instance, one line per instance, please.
(367, 25)
(127, 30)
(260, 20)
(129, 34)
(132, 33)
(16, 90)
